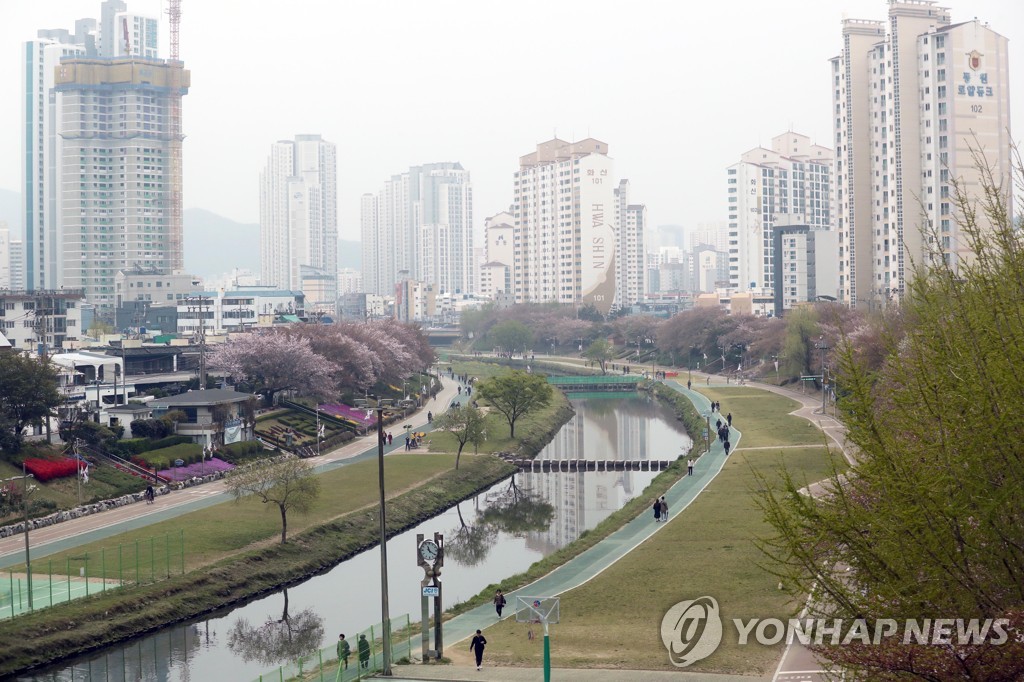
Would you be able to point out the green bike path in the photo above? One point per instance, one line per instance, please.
(595, 560)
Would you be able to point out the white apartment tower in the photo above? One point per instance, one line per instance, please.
(118, 34)
(791, 182)
(496, 271)
(299, 214)
(565, 211)
(630, 226)
(911, 100)
(420, 226)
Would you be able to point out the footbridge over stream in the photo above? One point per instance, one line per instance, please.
(598, 383)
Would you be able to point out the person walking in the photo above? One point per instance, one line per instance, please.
(149, 494)
(344, 651)
(689, 467)
(728, 418)
(657, 510)
(664, 509)
(364, 652)
(430, 417)
(688, 383)
(477, 647)
(499, 602)
(726, 446)
(389, 437)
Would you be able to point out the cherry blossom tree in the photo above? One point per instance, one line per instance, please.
(276, 362)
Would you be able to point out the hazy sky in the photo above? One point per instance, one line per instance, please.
(677, 89)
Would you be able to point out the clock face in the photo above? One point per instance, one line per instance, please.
(428, 550)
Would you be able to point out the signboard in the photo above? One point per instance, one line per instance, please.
(431, 591)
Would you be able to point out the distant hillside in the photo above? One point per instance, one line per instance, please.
(213, 244)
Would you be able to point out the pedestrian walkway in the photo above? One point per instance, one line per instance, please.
(460, 673)
(63, 536)
(595, 560)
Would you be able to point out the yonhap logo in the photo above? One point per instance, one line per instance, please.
(691, 631)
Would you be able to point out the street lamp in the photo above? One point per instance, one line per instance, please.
(385, 618)
(707, 432)
(822, 346)
(26, 491)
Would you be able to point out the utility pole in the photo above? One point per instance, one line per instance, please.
(198, 304)
(26, 491)
(824, 378)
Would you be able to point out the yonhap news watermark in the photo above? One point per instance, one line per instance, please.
(692, 630)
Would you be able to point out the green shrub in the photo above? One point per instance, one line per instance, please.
(168, 442)
(164, 457)
(237, 453)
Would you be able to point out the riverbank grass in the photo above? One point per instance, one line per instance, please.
(762, 417)
(221, 530)
(91, 623)
(614, 620)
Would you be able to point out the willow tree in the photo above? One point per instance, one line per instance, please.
(929, 521)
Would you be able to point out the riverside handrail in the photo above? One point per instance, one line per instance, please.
(131, 466)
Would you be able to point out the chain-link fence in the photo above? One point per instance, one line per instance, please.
(366, 657)
(77, 575)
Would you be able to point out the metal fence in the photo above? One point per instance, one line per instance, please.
(322, 665)
(88, 573)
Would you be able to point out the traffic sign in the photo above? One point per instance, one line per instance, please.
(431, 591)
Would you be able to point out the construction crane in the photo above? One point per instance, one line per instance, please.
(174, 15)
(127, 37)
(177, 256)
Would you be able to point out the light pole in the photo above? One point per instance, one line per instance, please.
(385, 618)
(822, 347)
(707, 432)
(26, 491)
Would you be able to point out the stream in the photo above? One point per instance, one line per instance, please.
(498, 533)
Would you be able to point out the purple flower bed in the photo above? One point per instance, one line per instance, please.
(347, 412)
(197, 469)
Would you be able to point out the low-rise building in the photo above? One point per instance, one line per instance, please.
(212, 417)
(40, 320)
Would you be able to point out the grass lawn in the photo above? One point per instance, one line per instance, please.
(763, 417)
(221, 530)
(614, 620)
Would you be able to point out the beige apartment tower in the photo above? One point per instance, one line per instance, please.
(914, 99)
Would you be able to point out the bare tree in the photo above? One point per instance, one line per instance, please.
(287, 482)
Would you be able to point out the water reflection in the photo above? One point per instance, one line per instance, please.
(279, 640)
(490, 537)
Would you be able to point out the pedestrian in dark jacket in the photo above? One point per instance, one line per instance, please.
(477, 646)
(364, 652)
(657, 510)
(344, 650)
(728, 418)
(499, 602)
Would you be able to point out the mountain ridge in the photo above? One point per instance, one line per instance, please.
(209, 238)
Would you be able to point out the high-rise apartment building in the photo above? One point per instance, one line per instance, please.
(630, 227)
(40, 148)
(120, 179)
(791, 182)
(5, 256)
(420, 226)
(101, 149)
(299, 216)
(912, 99)
(496, 271)
(568, 221)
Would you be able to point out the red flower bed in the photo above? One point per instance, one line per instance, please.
(46, 469)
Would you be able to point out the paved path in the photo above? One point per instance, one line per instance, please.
(62, 536)
(460, 673)
(798, 663)
(595, 560)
